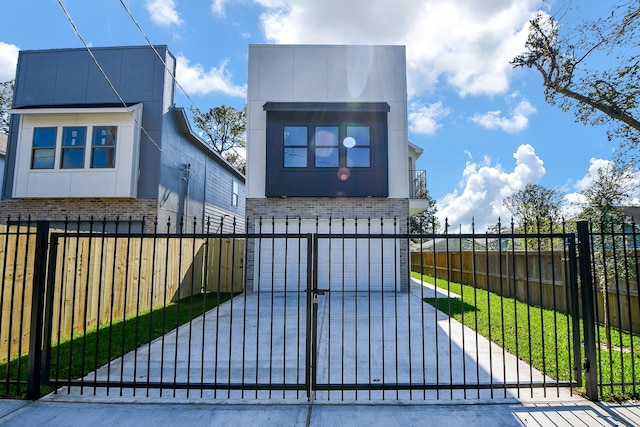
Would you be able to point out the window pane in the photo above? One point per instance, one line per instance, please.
(326, 136)
(44, 137)
(102, 158)
(73, 140)
(72, 158)
(295, 136)
(104, 136)
(44, 142)
(42, 158)
(103, 152)
(361, 134)
(327, 157)
(358, 157)
(73, 137)
(295, 157)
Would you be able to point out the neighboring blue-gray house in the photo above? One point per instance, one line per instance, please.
(101, 136)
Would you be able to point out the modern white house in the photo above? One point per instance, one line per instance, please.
(328, 152)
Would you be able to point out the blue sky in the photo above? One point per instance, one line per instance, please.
(485, 128)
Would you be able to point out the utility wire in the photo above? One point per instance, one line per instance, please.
(173, 77)
(113, 88)
(156, 51)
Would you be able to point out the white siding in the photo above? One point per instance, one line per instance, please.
(308, 73)
(120, 181)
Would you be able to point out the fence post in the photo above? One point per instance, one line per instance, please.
(588, 311)
(37, 305)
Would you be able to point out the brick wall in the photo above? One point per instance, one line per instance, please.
(323, 209)
(319, 207)
(59, 209)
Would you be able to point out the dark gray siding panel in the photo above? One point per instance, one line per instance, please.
(219, 193)
(206, 192)
(71, 77)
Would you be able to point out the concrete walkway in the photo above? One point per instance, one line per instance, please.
(260, 338)
(87, 412)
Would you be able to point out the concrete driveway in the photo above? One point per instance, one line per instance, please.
(365, 341)
(362, 339)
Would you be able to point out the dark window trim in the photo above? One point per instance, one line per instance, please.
(312, 181)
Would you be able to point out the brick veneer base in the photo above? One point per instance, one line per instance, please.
(59, 209)
(324, 208)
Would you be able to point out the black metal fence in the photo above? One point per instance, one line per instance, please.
(336, 309)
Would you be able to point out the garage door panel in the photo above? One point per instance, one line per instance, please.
(367, 263)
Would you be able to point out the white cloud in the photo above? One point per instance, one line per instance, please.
(8, 61)
(423, 119)
(594, 166)
(196, 80)
(466, 43)
(484, 187)
(217, 7)
(163, 12)
(518, 121)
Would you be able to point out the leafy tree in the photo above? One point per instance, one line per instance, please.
(6, 98)
(535, 209)
(606, 196)
(224, 128)
(426, 221)
(603, 204)
(574, 77)
(534, 204)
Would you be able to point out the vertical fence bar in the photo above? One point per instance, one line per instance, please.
(586, 281)
(575, 310)
(34, 362)
(48, 314)
(312, 283)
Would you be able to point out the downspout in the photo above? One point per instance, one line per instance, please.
(187, 177)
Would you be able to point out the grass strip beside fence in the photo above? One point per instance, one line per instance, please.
(531, 333)
(74, 357)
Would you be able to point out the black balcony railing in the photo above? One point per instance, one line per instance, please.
(418, 181)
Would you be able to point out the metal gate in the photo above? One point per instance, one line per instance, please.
(322, 338)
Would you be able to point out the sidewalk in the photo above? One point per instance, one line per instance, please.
(46, 413)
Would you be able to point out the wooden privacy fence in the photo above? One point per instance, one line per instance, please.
(99, 279)
(540, 278)
(17, 255)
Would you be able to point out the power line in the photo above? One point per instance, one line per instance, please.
(113, 88)
(173, 77)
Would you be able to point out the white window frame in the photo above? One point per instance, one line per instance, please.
(235, 193)
(118, 181)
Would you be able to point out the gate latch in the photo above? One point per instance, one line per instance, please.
(316, 293)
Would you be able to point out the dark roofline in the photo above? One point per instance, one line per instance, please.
(56, 106)
(94, 48)
(185, 126)
(328, 106)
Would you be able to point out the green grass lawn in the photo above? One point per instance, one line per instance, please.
(74, 357)
(542, 337)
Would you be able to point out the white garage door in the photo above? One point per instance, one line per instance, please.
(367, 263)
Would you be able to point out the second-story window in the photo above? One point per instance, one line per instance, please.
(103, 147)
(73, 142)
(44, 148)
(326, 150)
(49, 151)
